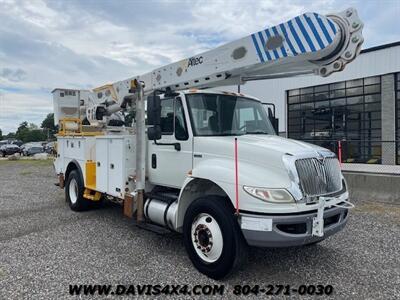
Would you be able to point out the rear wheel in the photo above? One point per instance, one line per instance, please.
(74, 192)
(212, 237)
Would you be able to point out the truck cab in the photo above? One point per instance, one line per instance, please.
(194, 125)
(280, 182)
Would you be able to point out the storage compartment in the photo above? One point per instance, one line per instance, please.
(115, 162)
(70, 148)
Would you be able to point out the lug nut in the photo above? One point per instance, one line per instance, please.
(355, 39)
(347, 54)
(349, 13)
(355, 25)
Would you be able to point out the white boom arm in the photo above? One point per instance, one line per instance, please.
(309, 43)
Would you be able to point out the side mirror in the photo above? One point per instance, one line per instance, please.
(270, 113)
(275, 123)
(153, 110)
(154, 133)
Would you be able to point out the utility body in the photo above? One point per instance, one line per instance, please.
(207, 163)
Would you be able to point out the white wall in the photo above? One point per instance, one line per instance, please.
(373, 63)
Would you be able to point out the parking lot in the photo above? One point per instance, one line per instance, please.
(45, 247)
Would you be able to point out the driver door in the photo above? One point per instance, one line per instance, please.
(167, 166)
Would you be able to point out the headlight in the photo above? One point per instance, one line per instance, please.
(270, 195)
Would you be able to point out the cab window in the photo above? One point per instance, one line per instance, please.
(167, 116)
(173, 119)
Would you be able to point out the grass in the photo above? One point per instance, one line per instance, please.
(26, 172)
(28, 162)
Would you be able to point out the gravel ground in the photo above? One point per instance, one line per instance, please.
(44, 247)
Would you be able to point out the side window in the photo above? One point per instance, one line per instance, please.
(245, 115)
(180, 124)
(167, 116)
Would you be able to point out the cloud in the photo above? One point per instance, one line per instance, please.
(19, 107)
(12, 75)
(83, 44)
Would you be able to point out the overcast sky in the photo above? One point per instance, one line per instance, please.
(84, 44)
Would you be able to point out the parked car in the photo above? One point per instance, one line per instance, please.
(25, 146)
(9, 149)
(50, 147)
(16, 142)
(34, 150)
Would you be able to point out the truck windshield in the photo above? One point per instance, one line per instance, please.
(216, 114)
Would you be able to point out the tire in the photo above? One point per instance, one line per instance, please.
(212, 237)
(74, 192)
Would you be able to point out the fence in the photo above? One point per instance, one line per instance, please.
(367, 155)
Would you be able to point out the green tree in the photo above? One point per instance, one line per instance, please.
(48, 125)
(23, 132)
(22, 126)
(30, 133)
(1, 135)
(10, 135)
(37, 135)
(32, 126)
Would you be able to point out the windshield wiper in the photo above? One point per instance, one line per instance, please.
(256, 132)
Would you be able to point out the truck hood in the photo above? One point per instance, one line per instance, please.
(260, 156)
(280, 144)
(265, 144)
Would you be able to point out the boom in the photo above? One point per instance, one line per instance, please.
(309, 43)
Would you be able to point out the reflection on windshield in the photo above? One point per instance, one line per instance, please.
(215, 114)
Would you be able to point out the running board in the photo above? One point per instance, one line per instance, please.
(153, 228)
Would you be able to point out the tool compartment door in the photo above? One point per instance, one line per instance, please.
(102, 165)
(116, 171)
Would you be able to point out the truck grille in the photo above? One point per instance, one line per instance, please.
(319, 176)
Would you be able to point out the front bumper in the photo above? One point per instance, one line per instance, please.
(290, 229)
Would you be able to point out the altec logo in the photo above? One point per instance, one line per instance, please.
(194, 61)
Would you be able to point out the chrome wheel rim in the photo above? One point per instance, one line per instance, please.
(207, 238)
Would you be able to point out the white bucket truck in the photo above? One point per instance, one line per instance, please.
(208, 163)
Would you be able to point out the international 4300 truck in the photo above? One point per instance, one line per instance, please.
(182, 156)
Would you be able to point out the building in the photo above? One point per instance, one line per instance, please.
(360, 107)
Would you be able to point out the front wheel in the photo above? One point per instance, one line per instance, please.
(212, 237)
